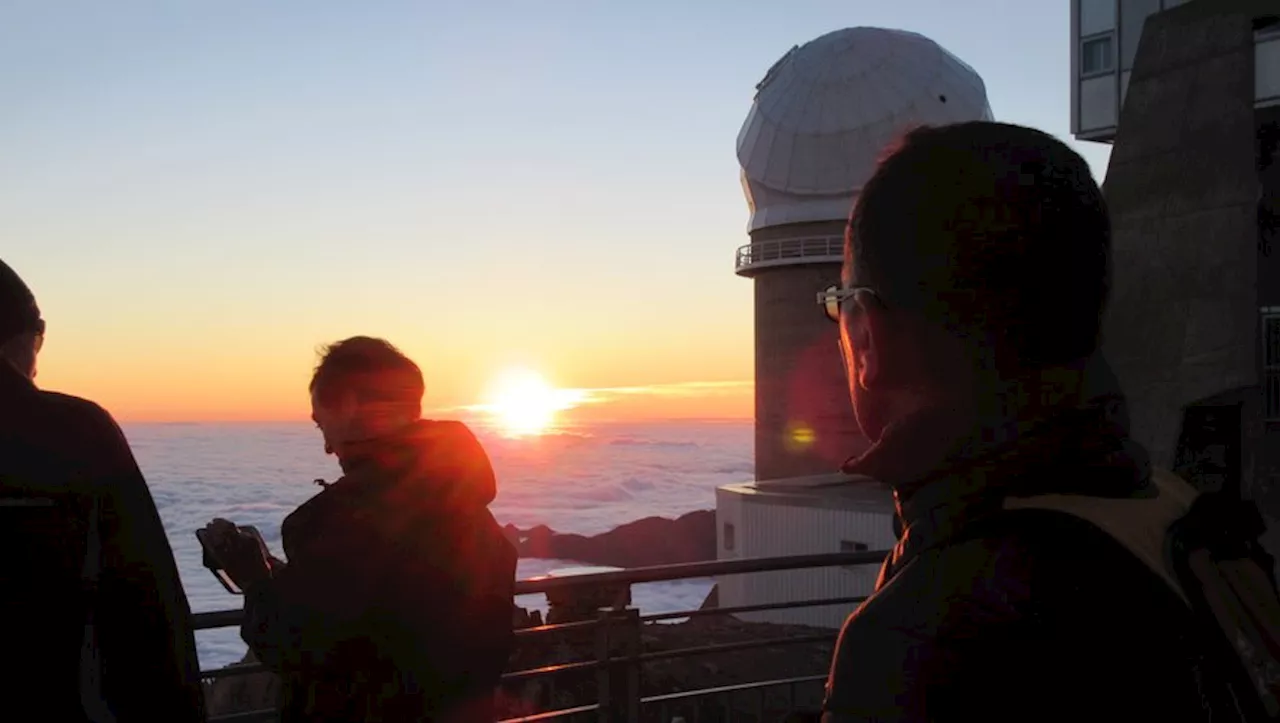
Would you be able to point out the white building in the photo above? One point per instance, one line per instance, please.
(801, 516)
(822, 116)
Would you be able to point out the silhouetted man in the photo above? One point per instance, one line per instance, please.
(395, 603)
(97, 626)
(976, 271)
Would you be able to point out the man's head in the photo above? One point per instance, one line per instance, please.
(363, 389)
(21, 327)
(977, 251)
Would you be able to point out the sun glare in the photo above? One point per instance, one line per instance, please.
(523, 403)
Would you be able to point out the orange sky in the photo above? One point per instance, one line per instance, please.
(204, 373)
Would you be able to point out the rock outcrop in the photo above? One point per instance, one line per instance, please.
(649, 541)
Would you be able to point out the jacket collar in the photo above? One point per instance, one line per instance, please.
(1063, 431)
(12, 381)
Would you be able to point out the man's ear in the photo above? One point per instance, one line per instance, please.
(867, 335)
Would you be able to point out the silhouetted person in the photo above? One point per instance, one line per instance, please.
(96, 624)
(395, 603)
(977, 268)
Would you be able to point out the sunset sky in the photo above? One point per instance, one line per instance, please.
(203, 193)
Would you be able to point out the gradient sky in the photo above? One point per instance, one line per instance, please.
(201, 193)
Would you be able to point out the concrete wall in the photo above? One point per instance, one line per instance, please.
(802, 230)
(1265, 481)
(1183, 191)
(1094, 96)
(1268, 135)
(804, 420)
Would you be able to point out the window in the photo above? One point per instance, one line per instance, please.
(728, 536)
(1271, 365)
(1096, 16)
(1097, 55)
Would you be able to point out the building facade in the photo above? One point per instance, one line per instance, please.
(1105, 35)
(1188, 93)
(801, 517)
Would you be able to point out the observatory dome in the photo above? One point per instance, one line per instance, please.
(824, 112)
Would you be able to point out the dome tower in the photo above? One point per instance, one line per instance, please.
(822, 115)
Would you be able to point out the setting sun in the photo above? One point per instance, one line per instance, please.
(523, 403)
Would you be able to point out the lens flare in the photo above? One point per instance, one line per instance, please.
(523, 403)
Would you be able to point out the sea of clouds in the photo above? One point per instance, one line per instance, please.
(585, 479)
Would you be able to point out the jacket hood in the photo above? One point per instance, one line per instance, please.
(441, 461)
(948, 466)
(1038, 425)
(432, 474)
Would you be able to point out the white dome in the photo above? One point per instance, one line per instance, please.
(825, 111)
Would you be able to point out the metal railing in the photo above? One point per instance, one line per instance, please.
(785, 252)
(619, 657)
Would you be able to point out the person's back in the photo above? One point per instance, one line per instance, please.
(1026, 615)
(977, 267)
(83, 543)
(395, 602)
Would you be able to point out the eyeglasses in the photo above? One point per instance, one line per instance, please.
(38, 330)
(834, 297)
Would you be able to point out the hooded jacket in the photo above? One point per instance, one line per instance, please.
(396, 600)
(981, 613)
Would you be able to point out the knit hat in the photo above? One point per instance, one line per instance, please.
(18, 310)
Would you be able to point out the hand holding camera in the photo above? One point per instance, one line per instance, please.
(237, 555)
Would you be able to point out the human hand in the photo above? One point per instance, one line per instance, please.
(241, 554)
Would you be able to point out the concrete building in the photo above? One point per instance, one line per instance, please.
(1189, 94)
(821, 118)
(804, 516)
(1105, 35)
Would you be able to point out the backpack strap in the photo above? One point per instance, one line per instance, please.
(1205, 547)
(1215, 549)
(1140, 524)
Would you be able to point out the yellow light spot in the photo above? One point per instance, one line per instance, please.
(800, 437)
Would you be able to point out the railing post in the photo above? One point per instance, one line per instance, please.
(633, 628)
(618, 677)
(604, 691)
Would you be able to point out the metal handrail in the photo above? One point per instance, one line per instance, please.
(754, 608)
(553, 714)
(602, 665)
(636, 576)
(685, 694)
(782, 252)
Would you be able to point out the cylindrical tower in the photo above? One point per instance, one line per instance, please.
(821, 117)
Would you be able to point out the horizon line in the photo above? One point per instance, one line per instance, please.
(588, 398)
(302, 420)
